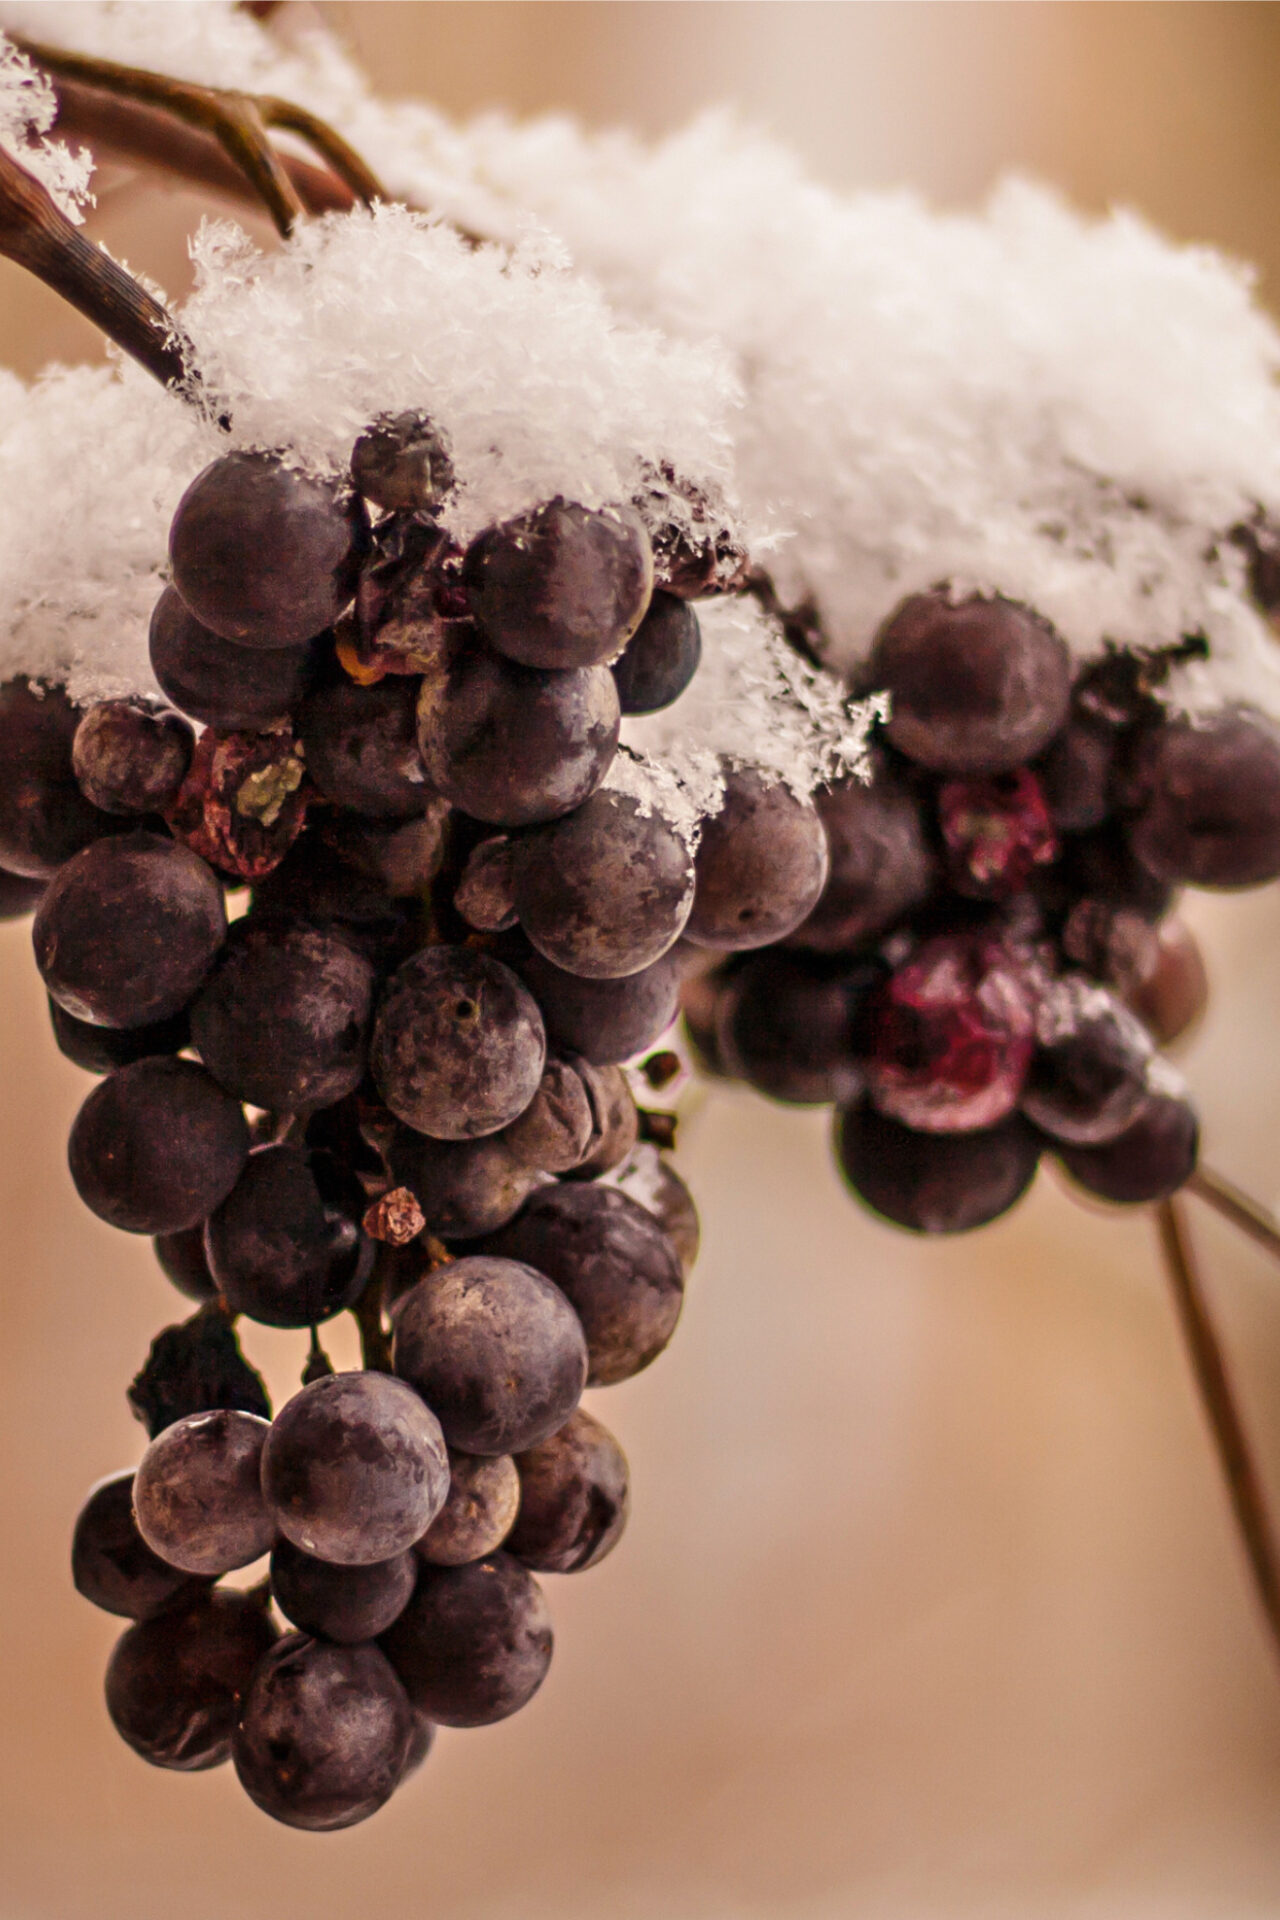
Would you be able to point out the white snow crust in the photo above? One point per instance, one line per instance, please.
(1072, 412)
(539, 388)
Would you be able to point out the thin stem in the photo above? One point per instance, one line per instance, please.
(36, 234)
(375, 1341)
(353, 171)
(234, 119)
(318, 1364)
(147, 136)
(1217, 1396)
(1236, 1206)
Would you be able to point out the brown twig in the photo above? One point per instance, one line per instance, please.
(1237, 1207)
(238, 122)
(36, 234)
(146, 136)
(1217, 1396)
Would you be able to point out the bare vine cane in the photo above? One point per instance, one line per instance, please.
(1218, 1397)
(37, 235)
(1234, 1205)
(149, 137)
(240, 124)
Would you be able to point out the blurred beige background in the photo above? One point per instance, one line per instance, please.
(930, 1606)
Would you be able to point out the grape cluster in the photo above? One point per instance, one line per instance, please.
(359, 966)
(991, 966)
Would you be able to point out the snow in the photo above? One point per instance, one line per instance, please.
(1072, 412)
(27, 111)
(538, 387)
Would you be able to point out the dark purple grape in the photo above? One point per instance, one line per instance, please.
(670, 1202)
(935, 1182)
(616, 1121)
(197, 1494)
(157, 1146)
(561, 587)
(401, 857)
(947, 1038)
(617, 1267)
(262, 552)
(355, 1469)
(347, 1604)
(513, 745)
(401, 463)
(760, 867)
(362, 746)
(421, 1740)
(573, 1498)
(283, 1020)
(458, 1044)
(607, 891)
(19, 896)
(1076, 774)
(129, 758)
(556, 1130)
(1211, 815)
(484, 1494)
(1102, 865)
(483, 896)
(1171, 992)
(787, 1024)
(44, 817)
(285, 1246)
(1151, 1159)
(316, 883)
(128, 930)
(175, 1682)
(464, 1187)
(218, 682)
(661, 657)
(182, 1259)
(1113, 944)
(880, 863)
(1088, 1074)
(323, 1734)
(474, 1643)
(495, 1349)
(113, 1566)
(977, 685)
(604, 1020)
(701, 989)
(103, 1049)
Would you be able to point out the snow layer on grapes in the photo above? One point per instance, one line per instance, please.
(27, 111)
(540, 391)
(1072, 412)
(753, 702)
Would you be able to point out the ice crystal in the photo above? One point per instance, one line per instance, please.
(27, 110)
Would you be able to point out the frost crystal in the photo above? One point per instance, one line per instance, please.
(754, 702)
(27, 110)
